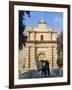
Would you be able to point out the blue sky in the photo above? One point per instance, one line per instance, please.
(53, 19)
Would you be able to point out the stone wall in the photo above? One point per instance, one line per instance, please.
(35, 45)
(46, 35)
(33, 50)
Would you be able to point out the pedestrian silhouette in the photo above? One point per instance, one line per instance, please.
(47, 67)
(43, 67)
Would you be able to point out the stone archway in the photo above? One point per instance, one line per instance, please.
(40, 58)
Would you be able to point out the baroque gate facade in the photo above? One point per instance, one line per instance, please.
(41, 45)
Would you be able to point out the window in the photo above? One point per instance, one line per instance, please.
(42, 38)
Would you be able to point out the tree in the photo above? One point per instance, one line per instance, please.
(22, 37)
(60, 50)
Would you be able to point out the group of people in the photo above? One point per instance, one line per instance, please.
(43, 66)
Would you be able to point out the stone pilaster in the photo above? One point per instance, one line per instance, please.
(32, 58)
(55, 56)
(27, 61)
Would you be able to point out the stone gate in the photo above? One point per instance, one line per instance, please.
(41, 44)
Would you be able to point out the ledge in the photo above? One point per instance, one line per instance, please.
(50, 41)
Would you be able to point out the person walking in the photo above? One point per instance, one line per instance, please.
(44, 68)
(47, 67)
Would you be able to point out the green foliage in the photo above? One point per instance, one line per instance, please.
(22, 37)
(60, 50)
(60, 41)
(60, 62)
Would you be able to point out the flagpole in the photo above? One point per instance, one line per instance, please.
(41, 15)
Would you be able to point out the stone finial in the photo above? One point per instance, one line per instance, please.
(30, 28)
(52, 29)
(42, 22)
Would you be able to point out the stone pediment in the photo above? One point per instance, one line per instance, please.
(42, 27)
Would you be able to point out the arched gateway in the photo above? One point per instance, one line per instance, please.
(40, 58)
(41, 44)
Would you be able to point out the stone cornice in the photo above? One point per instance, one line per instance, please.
(43, 31)
(50, 41)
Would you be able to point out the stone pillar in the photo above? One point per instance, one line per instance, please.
(27, 61)
(55, 56)
(32, 58)
(52, 57)
(49, 56)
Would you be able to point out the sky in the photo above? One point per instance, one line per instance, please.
(53, 19)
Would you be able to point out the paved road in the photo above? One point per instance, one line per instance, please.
(37, 74)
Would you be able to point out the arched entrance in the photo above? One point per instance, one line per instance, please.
(43, 64)
(41, 57)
